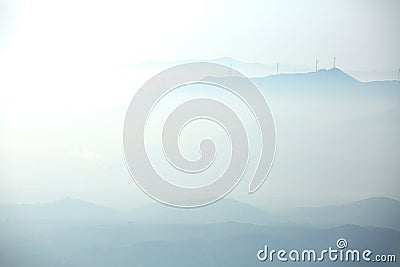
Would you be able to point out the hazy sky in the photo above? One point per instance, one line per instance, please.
(62, 91)
(73, 46)
(363, 35)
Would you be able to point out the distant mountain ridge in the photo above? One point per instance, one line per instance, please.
(256, 69)
(63, 209)
(376, 211)
(327, 75)
(249, 68)
(381, 212)
(226, 244)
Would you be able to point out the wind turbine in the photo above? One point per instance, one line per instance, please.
(277, 68)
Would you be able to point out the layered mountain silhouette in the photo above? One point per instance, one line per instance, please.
(72, 243)
(335, 133)
(380, 212)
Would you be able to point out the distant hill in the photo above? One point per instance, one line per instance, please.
(333, 75)
(325, 85)
(63, 210)
(228, 244)
(240, 250)
(71, 232)
(225, 210)
(327, 78)
(252, 69)
(381, 212)
(256, 69)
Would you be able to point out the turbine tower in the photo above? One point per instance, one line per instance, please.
(277, 68)
(334, 62)
(398, 75)
(316, 65)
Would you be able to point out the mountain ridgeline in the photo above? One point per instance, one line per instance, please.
(71, 232)
(336, 137)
